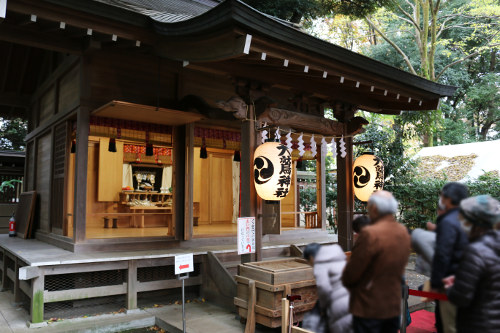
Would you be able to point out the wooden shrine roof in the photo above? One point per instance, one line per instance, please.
(229, 38)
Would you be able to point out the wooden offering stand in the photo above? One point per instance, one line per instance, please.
(262, 285)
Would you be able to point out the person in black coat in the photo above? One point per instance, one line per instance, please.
(475, 289)
(450, 244)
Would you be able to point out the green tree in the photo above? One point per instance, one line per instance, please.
(296, 10)
(12, 133)
(443, 35)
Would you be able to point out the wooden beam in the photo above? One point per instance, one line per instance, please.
(28, 272)
(82, 20)
(84, 293)
(301, 121)
(15, 100)
(34, 38)
(167, 284)
(228, 44)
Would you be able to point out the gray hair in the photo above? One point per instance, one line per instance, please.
(385, 204)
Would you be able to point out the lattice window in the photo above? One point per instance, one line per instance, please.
(59, 149)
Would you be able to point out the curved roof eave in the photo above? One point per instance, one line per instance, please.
(234, 13)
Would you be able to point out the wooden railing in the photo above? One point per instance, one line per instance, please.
(312, 220)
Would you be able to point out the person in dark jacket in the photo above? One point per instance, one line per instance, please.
(475, 289)
(451, 241)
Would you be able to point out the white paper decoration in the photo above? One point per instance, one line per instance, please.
(263, 134)
(343, 152)
(300, 142)
(323, 146)
(289, 140)
(333, 147)
(314, 149)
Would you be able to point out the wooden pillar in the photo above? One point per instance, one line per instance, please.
(132, 285)
(345, 196)
(17, 289)
(248, 194)
(178, 182)
(4, 272)
(37, 287)
(321, 189)
(189, 183)
(81, 163)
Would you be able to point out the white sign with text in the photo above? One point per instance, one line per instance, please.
(184, 263)
(246, 235)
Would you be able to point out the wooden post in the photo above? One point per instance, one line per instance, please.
(4, 271)
(248, 194)
(37, 286)
(321, 189)
(189, 182)
(284, 315)
(17, 289)
(345, 196)
(81, 161)
(178, 181)
(252, 297)
(132, 285)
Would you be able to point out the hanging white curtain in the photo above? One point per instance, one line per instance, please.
(127, 179)
(166, 178)
(236, 191)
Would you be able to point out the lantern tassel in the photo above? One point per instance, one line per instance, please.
(149, 149)
(203, 152)
(112, 145)
(237, 156)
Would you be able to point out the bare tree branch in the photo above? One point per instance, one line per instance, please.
(405, 57)
(461, 60)
(410, 18)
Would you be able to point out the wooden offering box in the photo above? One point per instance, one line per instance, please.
(273, 281)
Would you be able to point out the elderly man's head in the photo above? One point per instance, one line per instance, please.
(381, 203)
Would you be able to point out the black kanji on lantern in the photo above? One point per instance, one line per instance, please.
(281, 192)
(284, 180)
(283, 149)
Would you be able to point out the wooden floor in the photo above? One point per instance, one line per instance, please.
(100, 232)
(213, 230)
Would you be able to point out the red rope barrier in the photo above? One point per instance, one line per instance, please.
(438, 296)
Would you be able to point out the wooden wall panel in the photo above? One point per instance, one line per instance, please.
(69, 90)
(131, 78)
(110, 171)
(43, 172)
(94, 206)
(47, 104)
(221, 190)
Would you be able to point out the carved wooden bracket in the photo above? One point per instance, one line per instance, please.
(310, 123)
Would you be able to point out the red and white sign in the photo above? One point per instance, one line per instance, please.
(246, 235)
(184, 263)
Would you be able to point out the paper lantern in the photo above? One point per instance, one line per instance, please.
(272, 167)
(368, 176)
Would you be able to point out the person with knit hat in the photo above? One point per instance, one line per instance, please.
(475, 288)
